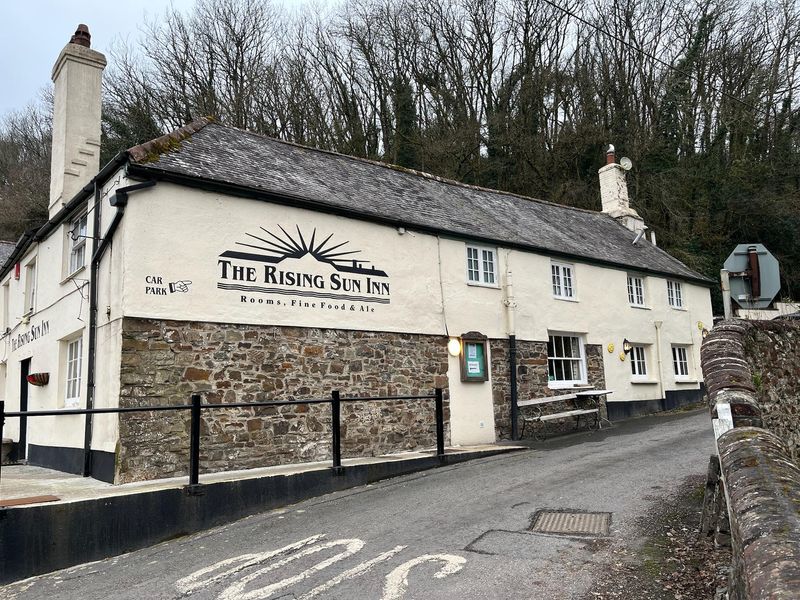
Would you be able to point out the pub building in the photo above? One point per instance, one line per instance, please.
(217, 261)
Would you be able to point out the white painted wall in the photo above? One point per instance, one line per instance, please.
(63, 303)
(175, 235)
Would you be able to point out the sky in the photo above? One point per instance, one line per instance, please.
(35, 31)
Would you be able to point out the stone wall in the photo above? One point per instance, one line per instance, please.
(772, 350)
(164, 362)
(532, 379)
(763, 490)
(751, 367)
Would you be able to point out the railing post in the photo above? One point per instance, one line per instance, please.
(439, 422)
(194, 445)
(336, 425)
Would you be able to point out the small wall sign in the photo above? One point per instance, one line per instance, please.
(473, 357)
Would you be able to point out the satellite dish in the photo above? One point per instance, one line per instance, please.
(626, 163)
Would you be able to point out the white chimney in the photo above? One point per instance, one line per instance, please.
(614, 193)
(77, 77)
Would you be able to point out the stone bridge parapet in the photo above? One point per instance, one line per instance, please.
(752, 375)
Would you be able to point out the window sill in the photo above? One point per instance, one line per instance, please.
(565, 298)
(640, 306)
(681, 308)
(644, 381)
(72, 275)
(566, 385)
(679, 381)
(491, 286)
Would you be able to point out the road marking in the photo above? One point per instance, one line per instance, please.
(196, 580)
(352, 573)
(397, 581)
(235, 591)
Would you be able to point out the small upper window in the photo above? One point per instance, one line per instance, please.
(77, 243)
(635, 290)
(674, 294)
(638, 362)
(563, 280)
(680, 362)
(30, 287)
(481, 265)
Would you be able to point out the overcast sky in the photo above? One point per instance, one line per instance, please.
(35, 31)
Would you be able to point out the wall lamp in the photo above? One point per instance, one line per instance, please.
(454, 346)
(627, 347)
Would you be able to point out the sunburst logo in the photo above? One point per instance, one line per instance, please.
(310, 265)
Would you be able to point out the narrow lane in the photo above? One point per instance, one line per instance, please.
(455, 532)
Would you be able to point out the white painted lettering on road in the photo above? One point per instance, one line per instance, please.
(197, 580)
(397, 581)
(236, 590)
(351, 573)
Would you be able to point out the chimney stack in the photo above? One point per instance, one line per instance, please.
(77, 76)
(614, 193)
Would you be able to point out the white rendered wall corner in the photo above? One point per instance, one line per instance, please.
(77, 76)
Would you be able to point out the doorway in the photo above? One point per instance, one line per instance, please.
(24, 371)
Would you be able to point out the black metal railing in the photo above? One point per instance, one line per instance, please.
(196, 407)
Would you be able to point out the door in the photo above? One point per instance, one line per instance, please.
(24, 371)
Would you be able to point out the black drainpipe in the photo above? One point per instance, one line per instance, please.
(119, 200)
(512, 365)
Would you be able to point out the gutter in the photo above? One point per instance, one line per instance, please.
(120, 201)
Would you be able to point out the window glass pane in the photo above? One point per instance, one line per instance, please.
(556, 276)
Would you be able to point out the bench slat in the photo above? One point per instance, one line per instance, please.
(561, 415)
(546, 400)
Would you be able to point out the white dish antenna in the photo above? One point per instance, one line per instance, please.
(626, 163)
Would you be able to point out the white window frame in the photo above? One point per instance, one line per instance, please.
(638, 362)
(6, 299)
(636, 290)
(30, 287)
(681, 364)
(562, 280)
(576, 362)
(77, 232)
(482, 265)
(674, 293)
(73, 365)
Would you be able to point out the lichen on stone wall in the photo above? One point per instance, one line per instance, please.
(164, 362)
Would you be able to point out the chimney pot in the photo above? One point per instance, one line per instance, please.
(611, 156)
(82, 37)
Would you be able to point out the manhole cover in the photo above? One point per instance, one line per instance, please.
(571, 522)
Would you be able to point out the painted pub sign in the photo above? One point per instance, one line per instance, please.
(304, 272)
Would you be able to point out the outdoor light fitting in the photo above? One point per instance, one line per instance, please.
(627, 346)
(454, 346)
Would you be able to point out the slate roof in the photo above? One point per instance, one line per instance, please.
(372, 190)
(6, 249)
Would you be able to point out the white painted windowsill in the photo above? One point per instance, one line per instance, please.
(644, 381)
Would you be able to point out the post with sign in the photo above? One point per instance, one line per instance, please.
(474, 364)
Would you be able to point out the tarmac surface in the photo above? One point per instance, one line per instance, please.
(460, 531)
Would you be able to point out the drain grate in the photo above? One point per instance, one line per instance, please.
(571, 522)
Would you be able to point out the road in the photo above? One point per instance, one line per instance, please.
(456, 532)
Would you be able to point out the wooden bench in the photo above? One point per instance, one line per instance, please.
(581, 402)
